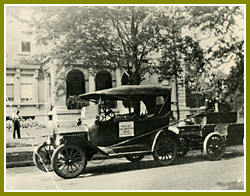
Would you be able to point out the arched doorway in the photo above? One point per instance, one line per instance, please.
(75, 82)
(103, 80)
(124, 79)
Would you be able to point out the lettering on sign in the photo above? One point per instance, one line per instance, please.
(221, 129)
(126, 129)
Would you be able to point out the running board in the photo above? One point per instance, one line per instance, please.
(125, 153)
(101, 156)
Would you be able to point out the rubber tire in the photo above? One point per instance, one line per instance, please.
(41, 158)
(134, 157)
(209, 148)
(165, 144)
(71, 151)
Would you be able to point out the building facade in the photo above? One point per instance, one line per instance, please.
(24, 86)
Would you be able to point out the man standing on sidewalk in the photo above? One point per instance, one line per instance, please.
(16, 121)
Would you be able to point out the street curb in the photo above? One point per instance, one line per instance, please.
(19, 164)
(19, 159)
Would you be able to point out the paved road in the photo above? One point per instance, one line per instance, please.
(193, 172)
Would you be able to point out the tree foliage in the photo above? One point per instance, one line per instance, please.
(222, 27)
(235, 81)
(99, 36)
(177, 50)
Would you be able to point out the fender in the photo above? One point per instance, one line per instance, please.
(155, 139)
(168, 133)
(82, 142)
(174, 129)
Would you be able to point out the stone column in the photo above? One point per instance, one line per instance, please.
(35, 87)
(120, 107)
(91, 83)
(171, 82)
(184, 110)
(90, 111)
(118, 77)
(61, 93)
(17, 88)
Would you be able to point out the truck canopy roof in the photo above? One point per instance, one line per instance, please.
(128, 92)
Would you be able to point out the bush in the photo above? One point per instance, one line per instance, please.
(8, 124)
(74, 102)
(26, 124)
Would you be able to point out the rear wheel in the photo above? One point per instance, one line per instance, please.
(69, 161)
(134, 157)
(42, 157)
(165, 151)
(214, 146)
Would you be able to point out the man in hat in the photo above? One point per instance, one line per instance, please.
(16, 120)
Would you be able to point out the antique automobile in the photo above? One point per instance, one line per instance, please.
(210, 132)
(141, 129)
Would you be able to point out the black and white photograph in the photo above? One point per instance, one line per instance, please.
(124, 98)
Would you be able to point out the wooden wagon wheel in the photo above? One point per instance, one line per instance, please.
(42, 157)
(214, 146)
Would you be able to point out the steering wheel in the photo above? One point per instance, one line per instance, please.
(109, 113)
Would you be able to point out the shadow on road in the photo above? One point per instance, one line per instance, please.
(148, 164)
(229, 154)
(231, 185)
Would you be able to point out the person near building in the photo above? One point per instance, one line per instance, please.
(16, 120)
(79, 122)
(209, 105)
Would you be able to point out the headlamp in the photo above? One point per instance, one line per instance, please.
(49, 140)
(58, 140)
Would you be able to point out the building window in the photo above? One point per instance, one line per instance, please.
(26, 88)
(26, 47)
(50, 117)
(10, 91)
(10, 87)
(103, 80)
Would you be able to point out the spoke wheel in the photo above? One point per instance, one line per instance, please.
(165, 151)
(214, 146)
(42, 157)
(69, 161)
(134, 157)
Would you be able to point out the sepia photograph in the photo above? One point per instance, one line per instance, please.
(124, 98)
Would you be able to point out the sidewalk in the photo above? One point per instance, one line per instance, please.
(19, 152)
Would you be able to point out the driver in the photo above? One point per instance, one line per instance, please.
(106, 111)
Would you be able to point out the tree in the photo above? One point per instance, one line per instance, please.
(220, 30)
(100, 36)
(215, 25)
(235, 80)
(181, 55)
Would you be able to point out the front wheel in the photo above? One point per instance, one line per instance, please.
(214, 146)
(42, 157)
(165, 151)
(69, 161)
